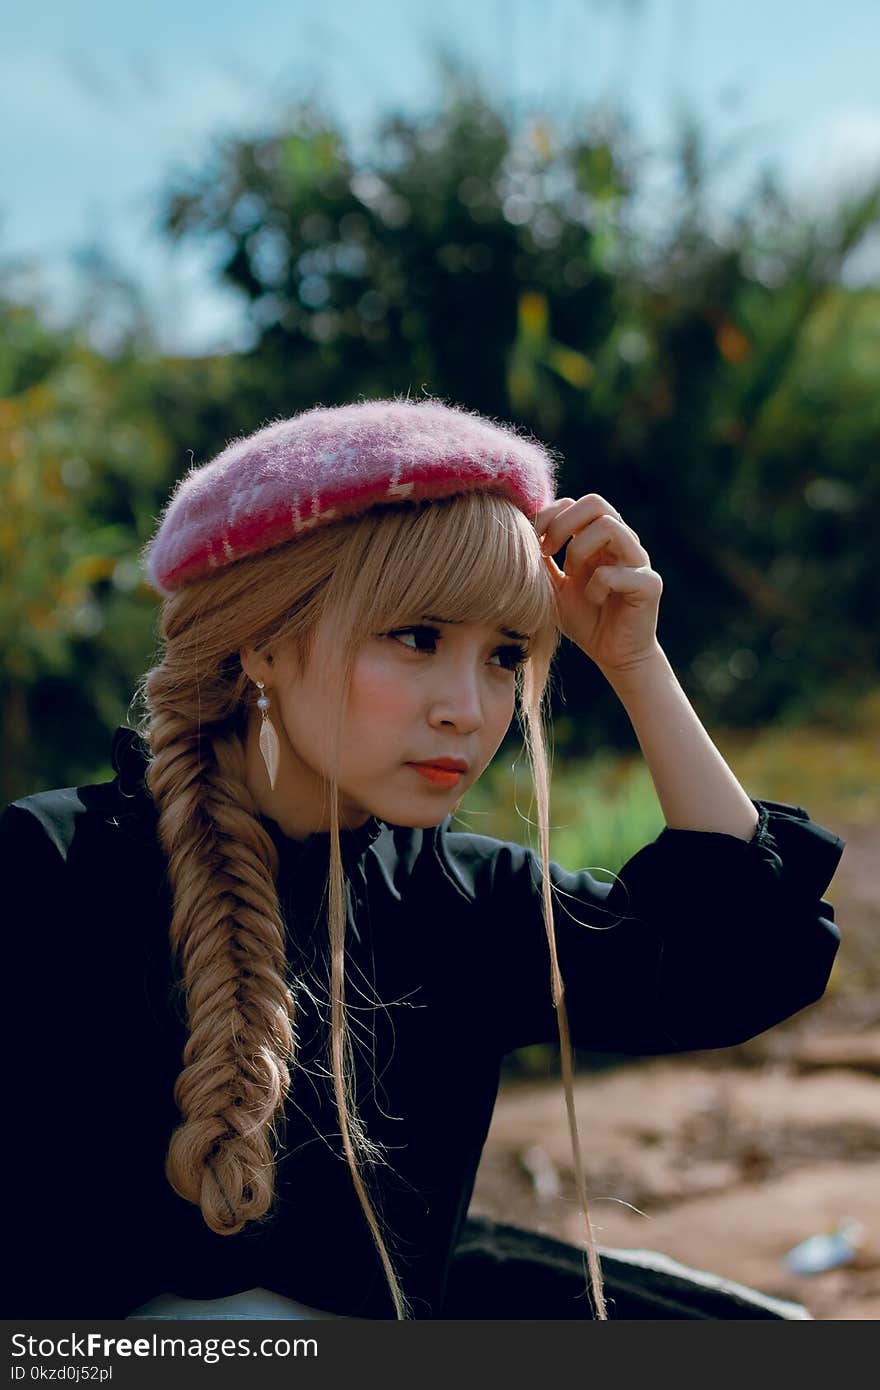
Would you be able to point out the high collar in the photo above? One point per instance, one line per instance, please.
(130, 756)
(352, 843)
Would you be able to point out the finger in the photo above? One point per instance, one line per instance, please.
(609, 534)
(546, 515)
(639, 587)
(554, 571)
(573, 518)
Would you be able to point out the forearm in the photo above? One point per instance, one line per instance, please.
(695, 787)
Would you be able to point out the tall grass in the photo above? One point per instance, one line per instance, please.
(605, 808)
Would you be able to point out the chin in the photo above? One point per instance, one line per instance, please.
(414, 820)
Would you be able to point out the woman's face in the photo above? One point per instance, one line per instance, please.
(437, 690)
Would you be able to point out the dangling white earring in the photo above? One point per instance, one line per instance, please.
(268, 738)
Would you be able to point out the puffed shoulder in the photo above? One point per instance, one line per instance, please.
(786, 844)
(36, 831)
(703, 940)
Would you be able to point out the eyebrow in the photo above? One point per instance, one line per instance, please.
(451, 622)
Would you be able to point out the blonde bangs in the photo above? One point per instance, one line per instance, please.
(474, 558)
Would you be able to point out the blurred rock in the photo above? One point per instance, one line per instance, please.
(854, 1051)
(827, 1249)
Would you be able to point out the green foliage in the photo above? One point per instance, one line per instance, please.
(79, 481)
(719, 388)
(410, 270)
(603, 809)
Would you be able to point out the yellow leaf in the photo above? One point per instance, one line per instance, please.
(90, 568)
(733, 344)
(533, 314)
(542, 138)
(572, 366)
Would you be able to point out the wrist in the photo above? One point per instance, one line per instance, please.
(634, 674)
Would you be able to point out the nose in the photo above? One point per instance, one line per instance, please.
(458, 704)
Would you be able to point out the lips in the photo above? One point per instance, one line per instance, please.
(447, 764)
(446, 772)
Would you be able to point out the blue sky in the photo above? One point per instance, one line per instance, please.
(103, 100)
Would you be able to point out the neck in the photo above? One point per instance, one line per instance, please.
(300, 800)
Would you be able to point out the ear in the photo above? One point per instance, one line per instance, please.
(256, 666)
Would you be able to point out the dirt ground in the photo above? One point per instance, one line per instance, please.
(726, 1160)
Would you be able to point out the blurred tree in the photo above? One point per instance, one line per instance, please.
(414, 271)
(734, 438)
(718, 387)
(81, 463)
(681, 374)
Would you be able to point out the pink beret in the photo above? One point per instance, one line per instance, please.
(333, 462)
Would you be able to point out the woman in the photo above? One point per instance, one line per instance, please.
(277, 985)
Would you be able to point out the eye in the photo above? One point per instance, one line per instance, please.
(424, 638)
(512, 656)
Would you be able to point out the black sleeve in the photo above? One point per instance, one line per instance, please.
(33, 875)
(704, 940)
(38, 970)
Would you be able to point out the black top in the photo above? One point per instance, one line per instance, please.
(707, 940)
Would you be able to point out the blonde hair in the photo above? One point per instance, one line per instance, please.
(474, 558)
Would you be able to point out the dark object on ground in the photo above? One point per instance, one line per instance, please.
(505, 1272)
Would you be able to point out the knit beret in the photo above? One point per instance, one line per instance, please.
(328, 463)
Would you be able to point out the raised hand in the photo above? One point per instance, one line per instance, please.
(607, 595)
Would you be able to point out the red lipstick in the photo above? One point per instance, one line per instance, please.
(443, 772)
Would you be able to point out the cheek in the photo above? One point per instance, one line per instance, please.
(304, 723)
(379, 694)
(503, 710)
